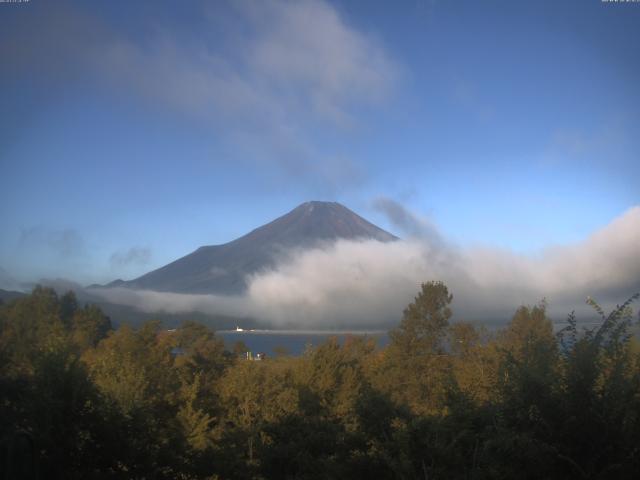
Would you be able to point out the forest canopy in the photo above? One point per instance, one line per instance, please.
(444, 399)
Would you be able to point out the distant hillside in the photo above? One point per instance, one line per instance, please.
(8, 295)
(127, 315)
(223, 268)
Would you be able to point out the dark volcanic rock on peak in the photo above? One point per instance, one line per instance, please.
(223, 268)
(314, 221)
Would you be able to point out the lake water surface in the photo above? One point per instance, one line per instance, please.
(294, 341)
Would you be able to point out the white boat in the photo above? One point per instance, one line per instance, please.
(238, 329)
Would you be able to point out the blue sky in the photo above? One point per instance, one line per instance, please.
(133, 132)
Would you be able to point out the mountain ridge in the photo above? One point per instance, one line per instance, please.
(223, 268)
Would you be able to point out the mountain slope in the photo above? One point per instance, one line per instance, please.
(223, 268)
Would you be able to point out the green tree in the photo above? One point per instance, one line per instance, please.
(88, 326)
(600, 427)
(474, 360)
(46, 397)
(334, 379)
(415, 368)
(424, 322)
(68, 307)
(201, 352)
(240, 348)
(256, 394)
(133, 370)
(195, 422)
(530, 355)
(32, 326)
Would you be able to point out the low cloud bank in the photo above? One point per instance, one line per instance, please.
(368, 283)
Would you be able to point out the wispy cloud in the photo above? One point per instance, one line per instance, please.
(306, 48)
(284, 71)
(299, 67)
(135, 256)
(64, 243)
(605, 145)
(410, 224)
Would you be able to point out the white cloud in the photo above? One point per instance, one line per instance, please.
(369, 283)
(307, 45)
(265, 77)
(297, 67)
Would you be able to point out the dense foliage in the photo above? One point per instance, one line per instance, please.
(81, 400)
